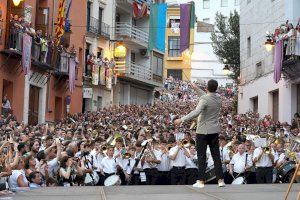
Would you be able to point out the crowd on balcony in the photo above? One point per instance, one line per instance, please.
(43, 48)
(86, 148)
(290, 35)
(101, 70)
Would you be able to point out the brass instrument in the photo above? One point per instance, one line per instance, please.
(104, 148)
(194, 124)
(169, 146)
(150, 154)
(185, 143)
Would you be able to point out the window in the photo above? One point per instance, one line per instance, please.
(249, 47)
(204, 27)
(224, 3)
(174, 22)
(174, 46)
(206, 4)
(259, 69)
(254, 102)
(236, 2)
(158, 64)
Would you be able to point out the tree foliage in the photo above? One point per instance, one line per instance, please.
(226, 41)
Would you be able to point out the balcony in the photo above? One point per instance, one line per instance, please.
(291, 67)
(94, 26)
(132, 34)
(135, 72)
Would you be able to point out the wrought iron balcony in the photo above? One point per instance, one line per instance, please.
(291, 67)
(124, 29)
(98, 28)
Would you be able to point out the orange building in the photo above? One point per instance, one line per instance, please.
(41, 94)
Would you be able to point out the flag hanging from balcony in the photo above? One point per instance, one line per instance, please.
(60, 30)
(278, 60)
(72, 74)
(187, 24)
(26, 56)
(140, 10)
(157, 29)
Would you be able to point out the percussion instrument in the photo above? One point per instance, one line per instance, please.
(238, 181)
(91, 178)
(113, 180)
(286, 171)
(210, 174)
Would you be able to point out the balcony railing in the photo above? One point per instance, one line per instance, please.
(124, 29)
(139, 71)
(99, 28)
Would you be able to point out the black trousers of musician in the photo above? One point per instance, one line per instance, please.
(178, 175)
(101, 179)
(151, 176)
(164, 178)
(264, 174)
(191, 176)
(212, 140)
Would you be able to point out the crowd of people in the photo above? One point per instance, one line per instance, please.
(87, 148)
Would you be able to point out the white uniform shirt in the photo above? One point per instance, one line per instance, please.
(97, 160)
(189, 164)
(157, 154)
(128, 164)
(264, 161)
(180, 158)
(209, 159)
(52, 167)
(239, 162)
(224, 153)
(165, 163)
(109, 165)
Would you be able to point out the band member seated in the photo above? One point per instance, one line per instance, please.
(128, 165)
(240, 163)
(109, 164)
(98, 155)
(177, 156)
(263, 160)
(225, 158)
(191, 169)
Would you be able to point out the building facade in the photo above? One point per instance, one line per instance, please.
(140, 71)
(40, 92)
(98, 50)
(205, 64)
(177, 65)
(258, 91)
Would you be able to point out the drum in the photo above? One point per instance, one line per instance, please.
(286, 171)
(210, 174)
(113, 180)
(238, 181)
(91, 178)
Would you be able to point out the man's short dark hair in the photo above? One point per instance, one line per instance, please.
(212, 85)
(32, 176)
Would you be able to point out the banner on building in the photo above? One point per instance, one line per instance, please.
(95, 74)
(87, 93)
(108, 77)
(59, 30)
(140, 10)
(72, 74)
(102, 75)
(187, 24)
(26, 56)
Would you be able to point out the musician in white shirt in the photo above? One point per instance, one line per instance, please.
(177, 156)
(164, 166)
(109, 163)
(98, 156)
(240, 163)
(191, 169)
(264, 165)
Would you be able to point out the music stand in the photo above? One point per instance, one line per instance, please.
(297, 173)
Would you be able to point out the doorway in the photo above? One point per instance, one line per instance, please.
(58, 109)
(275, 105)
(33, 113)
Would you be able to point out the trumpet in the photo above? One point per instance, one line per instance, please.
(185, 143)
(267, 150)
(104, 148)
(169, 146)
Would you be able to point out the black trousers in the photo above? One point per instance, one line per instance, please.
(164, 178)
(101, 179)
(264, 174)
(152, 176)
(213, 141)
(191, 176)
(178, 176)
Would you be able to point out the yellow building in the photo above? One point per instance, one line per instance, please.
(176, 64)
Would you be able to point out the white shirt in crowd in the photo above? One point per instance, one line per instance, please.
(128, 165)
(12, 180)
(157, 154)
(109, 165)
(264, 161)
(52, 167)
(180, 158)
(165, 163)
(210, 161)
(97, 158)
(239, 162)
(224, 154)
(189, 163)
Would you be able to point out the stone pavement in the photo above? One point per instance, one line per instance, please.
(210, 192)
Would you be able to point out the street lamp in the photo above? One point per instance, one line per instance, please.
(17, 2)
(269, 44)
(226, 70)
(120, 51)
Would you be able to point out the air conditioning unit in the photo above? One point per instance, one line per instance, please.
(144, 53)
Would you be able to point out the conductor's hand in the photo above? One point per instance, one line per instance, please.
(177, 122)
